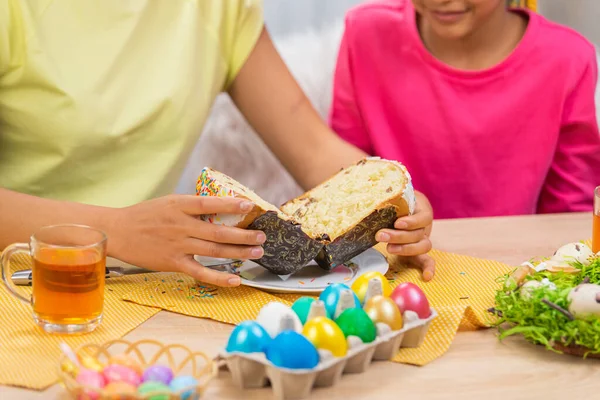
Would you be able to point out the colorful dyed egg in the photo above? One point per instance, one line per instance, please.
(276, 317)
(119, 390)
(93, 379)
(292, 350)
(69, 367)
(158, 373)
(248, 337)
(325, 334)
(410, 297)
(89, 362)
(361, 284)
(356, 322)
(302, 307)
(384, 310)
(331, 296)
(126, 361)
(184, 382)
(148, 388)
(120, 373)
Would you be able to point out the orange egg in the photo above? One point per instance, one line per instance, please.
(120, 391)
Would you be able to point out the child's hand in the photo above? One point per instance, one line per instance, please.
(410, 238)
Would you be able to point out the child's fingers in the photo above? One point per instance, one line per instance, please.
(409, 250)
(420, 219)
(427, 265)
(400, 237)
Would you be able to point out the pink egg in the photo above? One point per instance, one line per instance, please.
(87, 377)
(410, 297)
(120, 373)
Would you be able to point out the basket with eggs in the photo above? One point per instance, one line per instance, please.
(145, 369)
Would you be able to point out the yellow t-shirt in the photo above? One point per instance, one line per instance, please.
(102, 101)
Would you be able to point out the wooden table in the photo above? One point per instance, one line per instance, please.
(477, 366)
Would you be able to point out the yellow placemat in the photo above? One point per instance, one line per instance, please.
(28, 356)
(462, 291)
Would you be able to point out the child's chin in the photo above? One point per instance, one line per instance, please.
(454, 31)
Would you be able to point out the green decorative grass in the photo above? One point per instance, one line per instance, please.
(541, 324)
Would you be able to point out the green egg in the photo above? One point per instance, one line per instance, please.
(302, 307)
(356, 322)
(151, 387)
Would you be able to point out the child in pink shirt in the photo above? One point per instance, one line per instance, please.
(491, 110)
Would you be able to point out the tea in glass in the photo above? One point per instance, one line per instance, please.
(68, 274)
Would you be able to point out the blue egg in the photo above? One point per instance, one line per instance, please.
(248, 337)
(331, 295)
(184, 382)
(292, 350)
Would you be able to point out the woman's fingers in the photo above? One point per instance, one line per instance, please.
(200, 205)
(224, 234)
(197, 271)
(221, 250)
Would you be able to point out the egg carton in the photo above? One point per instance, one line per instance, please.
(253, 370)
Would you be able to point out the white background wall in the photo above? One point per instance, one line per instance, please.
(288, 16)
(583, 15)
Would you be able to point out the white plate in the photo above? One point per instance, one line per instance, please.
(311, 279)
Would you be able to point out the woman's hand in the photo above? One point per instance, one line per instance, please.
(410, 238)
(164, 234)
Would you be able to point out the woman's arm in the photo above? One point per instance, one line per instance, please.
(162, 234)
(21, 215)
(276, 107)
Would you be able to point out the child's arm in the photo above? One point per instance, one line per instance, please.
(575, 171)
(344, 116)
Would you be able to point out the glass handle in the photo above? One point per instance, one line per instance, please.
(7, 254)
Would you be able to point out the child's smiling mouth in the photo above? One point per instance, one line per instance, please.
(448, 17)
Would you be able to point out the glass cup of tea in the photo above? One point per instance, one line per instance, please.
(68, 276)
(596, 224)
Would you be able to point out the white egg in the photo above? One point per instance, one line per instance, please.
(276, 317)
(528, 288)
(573, 252)
(585, 300)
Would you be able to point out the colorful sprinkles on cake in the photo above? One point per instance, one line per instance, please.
(207, 186)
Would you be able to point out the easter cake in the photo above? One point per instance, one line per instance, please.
(316, 341)
(287, 246)
(330, 224)
(554, 302)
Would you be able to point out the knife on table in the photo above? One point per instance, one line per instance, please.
(25, 277)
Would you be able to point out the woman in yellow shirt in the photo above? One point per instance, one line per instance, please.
(101, 103)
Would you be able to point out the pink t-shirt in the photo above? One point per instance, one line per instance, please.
(518, 138)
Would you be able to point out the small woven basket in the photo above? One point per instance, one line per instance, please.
(179, 358)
